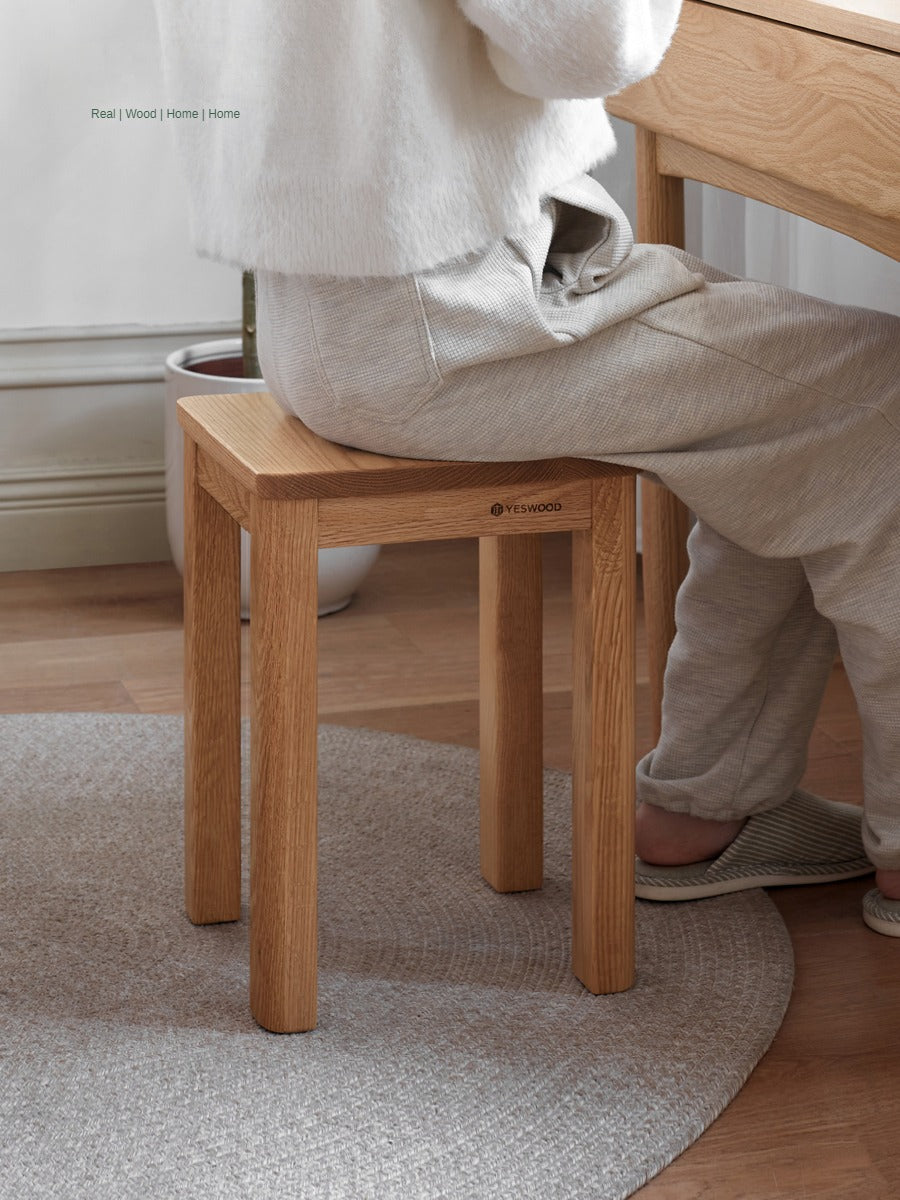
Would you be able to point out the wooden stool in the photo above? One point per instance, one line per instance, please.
(248, 464)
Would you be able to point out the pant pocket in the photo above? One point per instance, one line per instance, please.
(372, 345)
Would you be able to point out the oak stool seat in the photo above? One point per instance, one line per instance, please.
(248, 464)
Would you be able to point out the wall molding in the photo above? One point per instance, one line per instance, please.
(82, 468)
(61, 487)
(75, 376)
(96, 354)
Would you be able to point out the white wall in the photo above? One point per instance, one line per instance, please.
(99, 284)
(94, 228)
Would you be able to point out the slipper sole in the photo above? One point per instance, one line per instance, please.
(702, 889)
(890, 928)
(881, 914)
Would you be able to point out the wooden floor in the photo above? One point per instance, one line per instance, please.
(818, 1117)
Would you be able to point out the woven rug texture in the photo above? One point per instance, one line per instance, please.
(456, 1056)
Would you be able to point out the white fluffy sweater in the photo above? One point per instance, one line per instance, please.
(378, 137)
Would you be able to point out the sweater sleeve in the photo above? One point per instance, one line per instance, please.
(567, 49)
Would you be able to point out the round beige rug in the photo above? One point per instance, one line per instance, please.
(456, 1056)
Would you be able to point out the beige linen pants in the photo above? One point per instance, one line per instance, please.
(774, 416)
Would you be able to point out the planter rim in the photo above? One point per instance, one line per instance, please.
(179, 360)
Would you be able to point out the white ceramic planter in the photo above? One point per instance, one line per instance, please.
(341, 569)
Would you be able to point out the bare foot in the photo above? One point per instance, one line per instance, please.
(671, 839)
(888, 883)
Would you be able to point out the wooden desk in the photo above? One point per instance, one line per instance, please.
(793, 102)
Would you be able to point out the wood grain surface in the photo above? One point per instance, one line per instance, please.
(799, 119)
(875, 22)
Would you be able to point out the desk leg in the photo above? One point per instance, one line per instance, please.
(664, 530)
(511, 711)
(212, 703)
(603, 766)
(283, 816)
(664, 520)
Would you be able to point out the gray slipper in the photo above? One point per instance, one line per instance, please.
(881, 914)
(804, 840)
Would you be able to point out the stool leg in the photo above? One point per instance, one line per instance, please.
(604, 570)
(212, 703)
(511, 711)
(284, 588)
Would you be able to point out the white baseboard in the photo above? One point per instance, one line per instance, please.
(82, 477)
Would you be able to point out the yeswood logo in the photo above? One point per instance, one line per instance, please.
(500, 510)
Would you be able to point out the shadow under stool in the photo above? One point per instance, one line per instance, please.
(250, 465)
